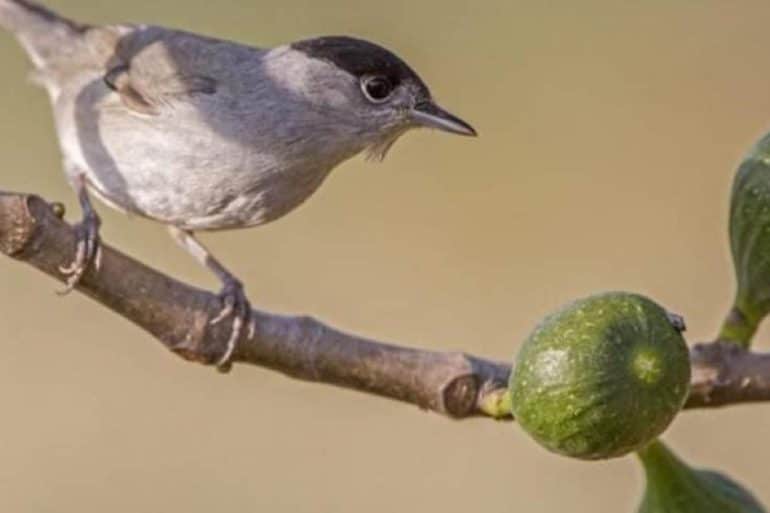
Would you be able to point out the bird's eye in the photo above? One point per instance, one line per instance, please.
(377, 89)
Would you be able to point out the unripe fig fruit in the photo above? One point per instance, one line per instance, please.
(601, 377)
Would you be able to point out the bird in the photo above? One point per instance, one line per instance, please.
(203, 134)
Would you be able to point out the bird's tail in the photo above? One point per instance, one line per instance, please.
(45, 35)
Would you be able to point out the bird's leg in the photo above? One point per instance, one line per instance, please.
(88, 249)
(234, 300)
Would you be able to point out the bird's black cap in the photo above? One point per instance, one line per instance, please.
(360, 58)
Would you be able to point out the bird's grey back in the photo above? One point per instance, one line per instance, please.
(61, 47)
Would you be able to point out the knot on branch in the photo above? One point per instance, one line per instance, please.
(459, 396)
(17, 226)
(199, 340)
(191, 349)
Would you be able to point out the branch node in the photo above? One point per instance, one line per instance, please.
(17, 227)
(459, 396)
(190, 350)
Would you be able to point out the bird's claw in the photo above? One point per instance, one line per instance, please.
(88, 251)
(237, 305)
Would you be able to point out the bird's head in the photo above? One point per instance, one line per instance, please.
(364, 93)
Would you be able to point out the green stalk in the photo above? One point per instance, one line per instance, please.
(670, 477)
(497, 404)
(739, 327)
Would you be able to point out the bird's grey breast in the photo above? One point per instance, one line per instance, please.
(191, 131)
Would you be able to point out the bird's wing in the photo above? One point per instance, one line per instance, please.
(155, 67)
(146, 95)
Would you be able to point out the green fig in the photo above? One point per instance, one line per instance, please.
(750, 245)
(674, 487)
(601, 377)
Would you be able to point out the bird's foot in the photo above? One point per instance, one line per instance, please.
(237, 305)
(88, 251)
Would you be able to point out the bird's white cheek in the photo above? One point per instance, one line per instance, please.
(311, 79)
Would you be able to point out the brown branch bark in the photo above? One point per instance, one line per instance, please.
(454, 384)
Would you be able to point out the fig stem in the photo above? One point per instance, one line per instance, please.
(738, 327)
(660, 462)
(670, 475)
(497, 404)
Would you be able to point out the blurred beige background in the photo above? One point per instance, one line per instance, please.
(609, 135)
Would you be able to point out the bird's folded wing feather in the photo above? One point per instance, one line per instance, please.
(154, 67)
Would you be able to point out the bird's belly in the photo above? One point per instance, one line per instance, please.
(250, 198)
(188, 176)
(208, 198)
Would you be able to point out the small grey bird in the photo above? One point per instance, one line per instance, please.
(203, 134)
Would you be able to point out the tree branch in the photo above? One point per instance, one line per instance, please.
(454, 384)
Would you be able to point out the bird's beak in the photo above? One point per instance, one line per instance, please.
(430, 115)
